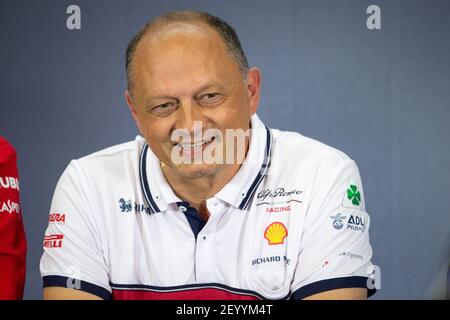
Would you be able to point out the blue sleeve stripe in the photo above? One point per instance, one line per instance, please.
(60, 281)
(331, 284)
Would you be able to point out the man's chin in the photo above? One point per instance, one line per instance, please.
(197, 170)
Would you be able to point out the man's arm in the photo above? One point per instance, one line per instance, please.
(335, 253)
(13, 244)
(59, 293)
(340, 294)
(72, 248)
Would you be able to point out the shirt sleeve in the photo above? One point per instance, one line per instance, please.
(13, 245)
(73, 256)
(335, 250)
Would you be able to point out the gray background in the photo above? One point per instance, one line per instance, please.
(380, 96)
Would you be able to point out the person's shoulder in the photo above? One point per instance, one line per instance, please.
(299, 158)
(122, 154)
(116, 150)
(7, 151)
(105, 169)
(294, 145)
(3, 141)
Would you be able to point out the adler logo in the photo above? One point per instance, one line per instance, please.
(9, 183)
(59, 218)
(356, 223)
(53, 241)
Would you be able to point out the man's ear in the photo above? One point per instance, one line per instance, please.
(132, 107)
(253, 89)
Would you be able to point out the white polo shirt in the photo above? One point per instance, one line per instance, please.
(289, 224)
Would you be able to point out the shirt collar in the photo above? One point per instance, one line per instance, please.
(238, 192)
(157, 190)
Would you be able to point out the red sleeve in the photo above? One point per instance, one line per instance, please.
(13, 244)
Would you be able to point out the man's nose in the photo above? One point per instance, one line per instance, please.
(190, 116)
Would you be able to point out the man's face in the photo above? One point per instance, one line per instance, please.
(184, 74)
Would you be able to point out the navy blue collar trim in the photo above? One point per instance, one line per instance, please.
(262, 172)
(144, 180)
(244, 203)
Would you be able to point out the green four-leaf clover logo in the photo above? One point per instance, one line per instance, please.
(354, 195)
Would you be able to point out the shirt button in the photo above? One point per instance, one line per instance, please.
(183, 208)
(204, 238)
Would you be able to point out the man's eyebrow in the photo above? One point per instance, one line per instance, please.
(209, 86)
(150, 99)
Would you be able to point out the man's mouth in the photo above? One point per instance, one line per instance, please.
(194, 150)
(195, 145)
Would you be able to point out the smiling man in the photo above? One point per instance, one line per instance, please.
(208, 203)
(182, 72)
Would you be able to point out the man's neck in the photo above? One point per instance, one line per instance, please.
(197, 190)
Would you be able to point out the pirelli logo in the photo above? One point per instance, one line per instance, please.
(53, 241)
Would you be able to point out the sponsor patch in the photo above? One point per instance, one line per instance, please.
(278, 196)
(9, 183)
(353, 222)
(59, 218)
(275, 233)
(279, 209)
(53, 241)
(352, 196)
(9, 207)
(129, 206)
(270, 259)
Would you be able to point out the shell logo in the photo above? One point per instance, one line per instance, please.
(276, 233)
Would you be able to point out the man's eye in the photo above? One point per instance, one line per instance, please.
(211, 97)
(164, 109)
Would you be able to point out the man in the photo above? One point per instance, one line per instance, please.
(13, 245)
(190, 212)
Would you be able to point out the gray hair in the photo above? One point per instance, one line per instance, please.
(225, 31)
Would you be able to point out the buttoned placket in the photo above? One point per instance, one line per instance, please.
(205, 248)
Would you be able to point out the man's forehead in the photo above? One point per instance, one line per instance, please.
(181, 58)
(179, 44)
(179, 49)
(168, 33)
